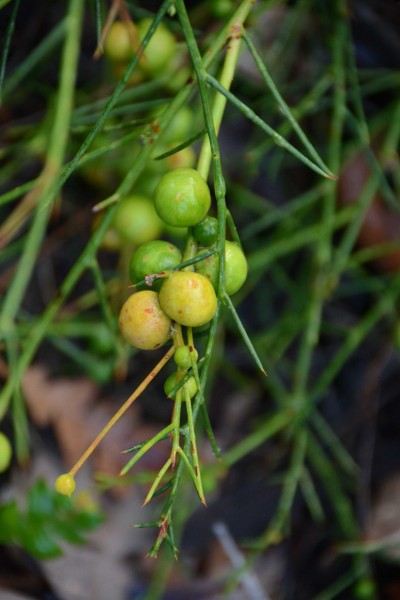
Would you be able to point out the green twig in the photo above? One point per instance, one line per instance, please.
(276, 137)
(282, 104)
(7, 43)
(243, 333)
(44, 49)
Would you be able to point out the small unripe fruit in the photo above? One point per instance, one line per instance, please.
(182, 357)
(142, 322)
(151, 258)
(65, 484)
(188, 298)
(121, 42)
(5, 453)
(235, 268)
(185, 158)
(135, 220)
(206, 231)
(172, 381)
(160, 50)
(180, 127)
(182, 197)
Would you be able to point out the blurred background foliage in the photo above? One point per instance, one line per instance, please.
(309, 485)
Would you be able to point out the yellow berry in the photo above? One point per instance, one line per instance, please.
(188, 298)
(143, 323)
(121, 42)
(65, 484)
(5, 453)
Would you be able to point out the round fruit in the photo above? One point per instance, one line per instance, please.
(182, 357)
(235, 268)
(142, 322)
(188, 298)
(180, 127)
(182, 197)
(184, 158)
(5, 453)
(206, 231)
(135, 220)
(172, 381)
(153, 257)
(121, 42)
(65, 484)
(160, 50)
(208, 267)
(222, 8)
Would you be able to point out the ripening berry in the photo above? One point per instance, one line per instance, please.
(188, 298)
(142, 322)
(121, 42)
(160, 51)
(182, 357)
(135, 221)
(65, 484)
(5, 453)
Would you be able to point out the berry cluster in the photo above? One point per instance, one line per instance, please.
(186, 297)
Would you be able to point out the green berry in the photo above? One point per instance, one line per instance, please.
(182, 197)
(121, 42)
(153, 257)
(206, 232)
(180, 127)
(172, 381)
(188, 298)
(365, 589)
(208, 267)
(65, 484)
(135, 221)
(182, 357)
(160, 50)
(142, 322)
(222, 8)
(5, 453)
(235, 268)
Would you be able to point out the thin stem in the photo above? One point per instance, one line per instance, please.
(226, 78)
(276, 137)
(264, 431)
(341, 505)
(139, 390)
(192, 473)
(176, 429)
(145, 447)
(244, 334)
(157, 480)
(102, 295)
(193, 446)
(291, 482)
(281, 103)
(204, 413)
(7, 43)
(39, 54)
